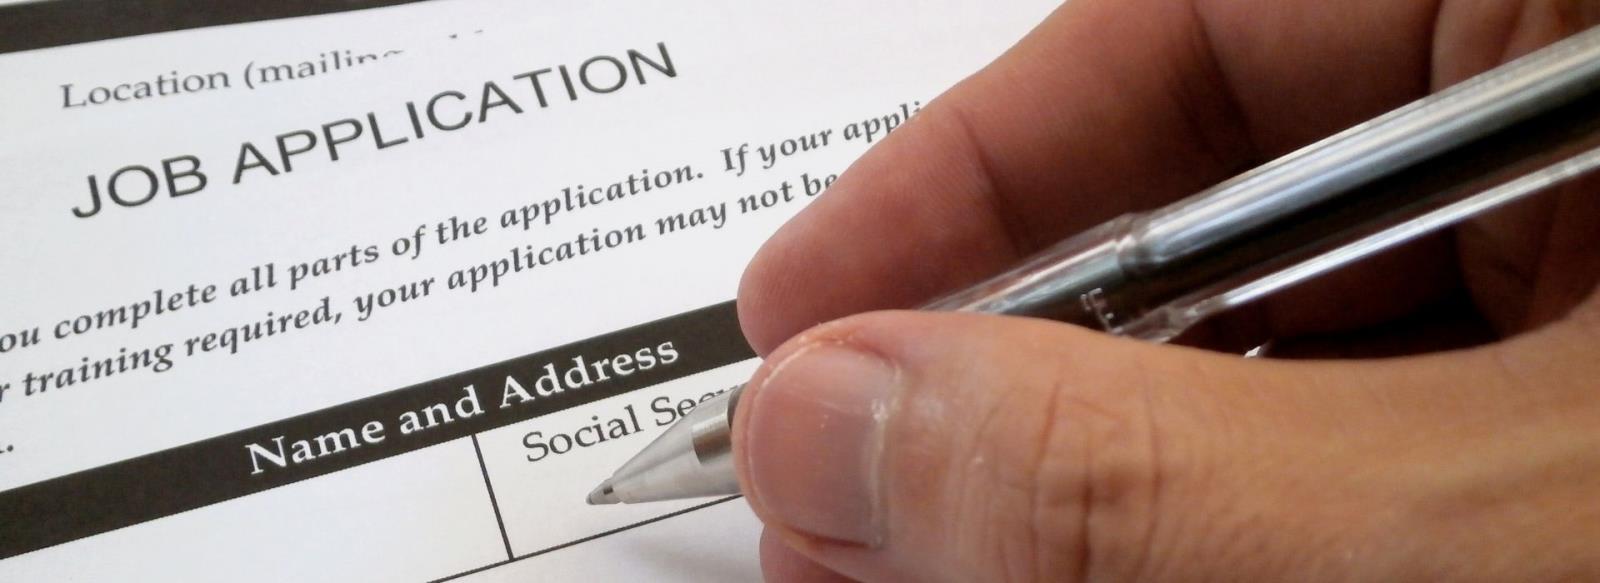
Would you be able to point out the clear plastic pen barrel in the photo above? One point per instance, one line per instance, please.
(1490, 141)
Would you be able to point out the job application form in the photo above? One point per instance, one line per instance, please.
(379, 295)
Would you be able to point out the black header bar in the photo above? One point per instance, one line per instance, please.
(51, 23)
(215, 470)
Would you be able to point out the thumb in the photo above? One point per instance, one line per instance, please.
(959, 447)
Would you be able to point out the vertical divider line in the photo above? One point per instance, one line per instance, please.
(494, 502)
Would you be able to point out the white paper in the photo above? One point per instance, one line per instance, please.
(741, 74)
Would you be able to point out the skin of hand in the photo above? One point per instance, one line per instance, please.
(1455, 437)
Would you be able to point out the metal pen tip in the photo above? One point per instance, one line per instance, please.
(603, 494)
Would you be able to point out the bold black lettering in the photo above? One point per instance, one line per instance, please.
(149, 194)
(665, 66)
(588, 82)
(333, 142)
(248, 149)
(192, 172)
(500, 100)
(94, 200)
(433, 118)
(285, 153)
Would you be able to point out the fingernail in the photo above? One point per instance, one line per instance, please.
(814, 438)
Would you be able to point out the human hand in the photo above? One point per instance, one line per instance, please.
(954, 447)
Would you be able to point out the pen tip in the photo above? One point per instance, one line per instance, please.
(603, 494)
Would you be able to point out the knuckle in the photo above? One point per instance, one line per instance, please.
(1121, 475)
(1062, 477)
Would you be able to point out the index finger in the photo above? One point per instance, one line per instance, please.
(1107, 107)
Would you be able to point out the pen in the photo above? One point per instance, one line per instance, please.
(1491, 140)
